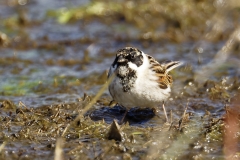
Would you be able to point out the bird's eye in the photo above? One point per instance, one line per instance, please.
(133, 56)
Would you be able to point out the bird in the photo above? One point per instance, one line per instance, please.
(138, 80)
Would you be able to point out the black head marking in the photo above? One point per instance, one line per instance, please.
(128, 54)
(127, 75)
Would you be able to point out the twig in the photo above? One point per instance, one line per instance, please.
(2, 146)
(65, 130)
(91, 103)
(183, 117)
(58, 155)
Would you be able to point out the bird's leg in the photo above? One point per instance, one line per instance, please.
(165, 112)
(123, 118)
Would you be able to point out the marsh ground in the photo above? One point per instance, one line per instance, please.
(53, 62)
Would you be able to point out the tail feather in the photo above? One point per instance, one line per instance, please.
(171, 65)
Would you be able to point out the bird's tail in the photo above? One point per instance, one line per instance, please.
(171, 65)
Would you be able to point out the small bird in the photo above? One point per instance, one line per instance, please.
(139, 80)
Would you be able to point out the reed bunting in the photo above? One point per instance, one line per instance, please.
(139, 80)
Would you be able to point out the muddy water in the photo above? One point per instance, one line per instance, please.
(50, 71)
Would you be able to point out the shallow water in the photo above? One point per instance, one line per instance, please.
(50, 71)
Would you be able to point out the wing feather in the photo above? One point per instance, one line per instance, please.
(162, 70)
